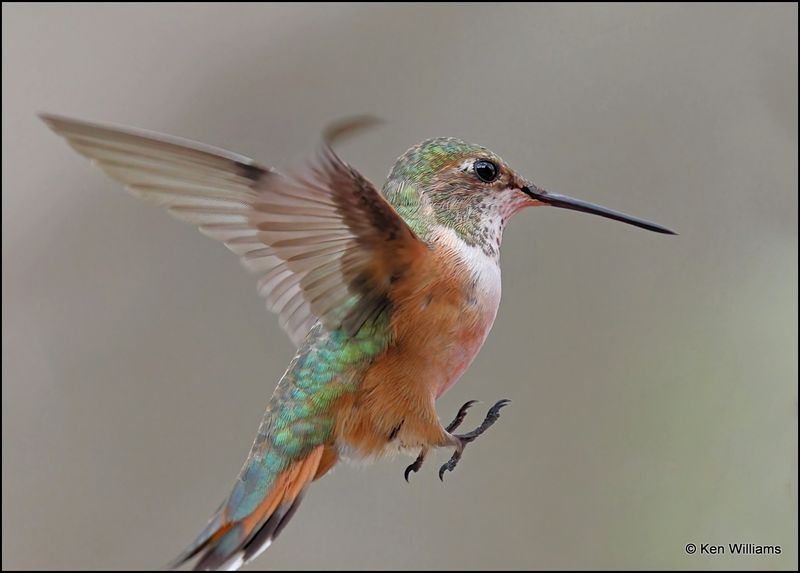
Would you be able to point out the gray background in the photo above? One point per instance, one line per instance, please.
(653, 378)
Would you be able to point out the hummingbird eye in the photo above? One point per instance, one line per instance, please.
(485, 170)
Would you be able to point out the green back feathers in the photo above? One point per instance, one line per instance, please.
(300, 414)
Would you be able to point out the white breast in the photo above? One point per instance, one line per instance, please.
(484, 269)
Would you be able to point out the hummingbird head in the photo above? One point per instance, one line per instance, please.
(471, 190)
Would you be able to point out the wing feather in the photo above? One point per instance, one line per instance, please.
(325, 244)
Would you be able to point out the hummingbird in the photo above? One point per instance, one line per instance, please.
(388, 295)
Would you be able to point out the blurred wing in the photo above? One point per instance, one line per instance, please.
(326, 244)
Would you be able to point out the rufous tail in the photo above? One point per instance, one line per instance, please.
(257, 510)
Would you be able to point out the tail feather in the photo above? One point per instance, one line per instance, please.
(215, 526)
(271, 529)
(230, 541)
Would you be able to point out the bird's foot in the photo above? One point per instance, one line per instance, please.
(464, 439)
(462, 413)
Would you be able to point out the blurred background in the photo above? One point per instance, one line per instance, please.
(653, 378)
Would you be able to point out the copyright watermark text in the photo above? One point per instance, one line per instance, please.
(731, 549)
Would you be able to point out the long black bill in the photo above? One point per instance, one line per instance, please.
(566, 202)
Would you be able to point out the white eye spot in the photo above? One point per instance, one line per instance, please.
(467, 166)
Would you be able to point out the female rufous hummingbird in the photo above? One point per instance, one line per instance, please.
(389, 296)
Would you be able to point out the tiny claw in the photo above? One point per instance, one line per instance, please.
(462, 413)
(414, 467)
(500, 404)
(450, 464)
(494, 411)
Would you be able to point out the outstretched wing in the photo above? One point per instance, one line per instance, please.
(326, 245)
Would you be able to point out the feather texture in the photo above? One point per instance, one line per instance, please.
(325, 244)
